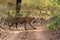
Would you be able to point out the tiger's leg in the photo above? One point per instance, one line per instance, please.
(25, 26)
(31, 25)
(16, 26)
(10, 26)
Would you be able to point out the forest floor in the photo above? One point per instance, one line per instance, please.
(40, 33)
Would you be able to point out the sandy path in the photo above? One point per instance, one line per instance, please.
(40, 33)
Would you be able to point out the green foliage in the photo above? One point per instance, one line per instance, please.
(54, 21)
(58, 1)
(51, 8)
(53, 18)
(52, 25)
(9, 16)
(48, 12)
(21, 13)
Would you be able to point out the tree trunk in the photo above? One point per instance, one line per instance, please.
(18, 6)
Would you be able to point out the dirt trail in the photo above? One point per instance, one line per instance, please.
(40, 33)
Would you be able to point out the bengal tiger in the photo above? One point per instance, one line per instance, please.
(21, 20)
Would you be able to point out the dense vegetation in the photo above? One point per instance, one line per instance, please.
(48, 9)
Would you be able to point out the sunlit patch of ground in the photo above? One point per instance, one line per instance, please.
(41, 33)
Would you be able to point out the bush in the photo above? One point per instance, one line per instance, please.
(53, 22)
(21, 14)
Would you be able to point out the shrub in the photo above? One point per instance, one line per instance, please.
(53, 22)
